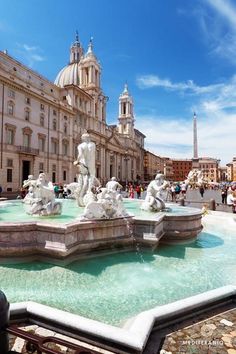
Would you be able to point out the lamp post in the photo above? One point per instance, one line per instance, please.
(126, 158)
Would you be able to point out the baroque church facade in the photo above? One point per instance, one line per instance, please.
(42, 123)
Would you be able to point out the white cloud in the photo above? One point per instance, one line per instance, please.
(216, 111)
(226, 9)
(31, 54)
(149, 81)
(173, 137)
(218, 28)
(29, 49)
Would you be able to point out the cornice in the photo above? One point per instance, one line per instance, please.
(17, 86)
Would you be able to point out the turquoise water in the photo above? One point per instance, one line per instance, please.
(114, 288)
(13, 211)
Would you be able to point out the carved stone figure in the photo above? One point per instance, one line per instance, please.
(40, 199)
(195, 178)
(72, 187)
(113, 185)
(107, 205)
(154, 200)
(86, 164)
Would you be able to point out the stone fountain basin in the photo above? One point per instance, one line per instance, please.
(85, 238)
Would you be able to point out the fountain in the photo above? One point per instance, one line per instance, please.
(101, 221)
(102, 225)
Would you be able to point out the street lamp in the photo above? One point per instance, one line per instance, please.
(126, 158)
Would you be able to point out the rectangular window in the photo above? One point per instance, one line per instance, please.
(11, 93)
(64, 149)
(42, 121)
(9, 175)
(41, 167)
(42, 107)
(27, 100)
(54, 112)
(10, 137)
(27, 115)
(54, 167)
(26, 140)
(9, 163)
(41, 144)
(54, 147)
(10, 109)
(54, 124)
(64, 175)
(53, 177)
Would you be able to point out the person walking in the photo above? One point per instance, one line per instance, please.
(177, 191)
(183, 189)
(201, 190)
(224, 195)
(131, 191)
(138, 191)
(172, 189)
(231, 200)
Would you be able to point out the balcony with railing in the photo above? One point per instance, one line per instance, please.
(27, 150)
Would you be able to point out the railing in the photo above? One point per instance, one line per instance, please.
(35, 343)
(27, 150)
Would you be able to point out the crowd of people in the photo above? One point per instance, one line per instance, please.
(176, 190)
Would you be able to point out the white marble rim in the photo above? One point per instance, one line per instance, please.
(136, 331)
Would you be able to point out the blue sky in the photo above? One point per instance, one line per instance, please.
(177, 57)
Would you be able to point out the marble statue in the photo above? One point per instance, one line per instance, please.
(86, 165)
(195, 178)
(72, 187)
(107, 205)
(156, 192)
(113, 185)
(40, 199)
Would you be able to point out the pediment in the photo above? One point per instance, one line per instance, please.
(116, 140)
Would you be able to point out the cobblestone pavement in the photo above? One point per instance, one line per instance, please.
(19, 345)
(215, 335)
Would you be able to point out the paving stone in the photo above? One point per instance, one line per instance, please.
(44, 332)
(18, 345)
(227, 342)
(226, 322)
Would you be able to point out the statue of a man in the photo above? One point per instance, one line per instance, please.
(154, 197)
(86, 164)
(86, 156)
(113, 185)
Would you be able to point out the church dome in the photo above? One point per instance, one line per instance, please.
(69, 75)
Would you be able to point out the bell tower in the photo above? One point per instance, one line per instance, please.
(76, 51)
(91, 71)
(126, 115)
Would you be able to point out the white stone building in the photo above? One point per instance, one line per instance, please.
(42, 123)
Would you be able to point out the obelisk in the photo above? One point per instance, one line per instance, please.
(195, 145)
